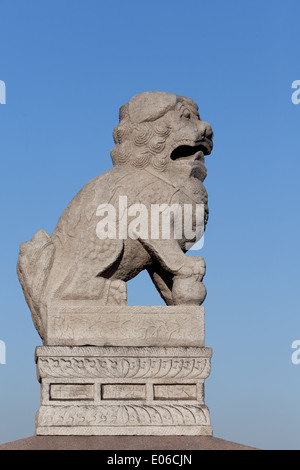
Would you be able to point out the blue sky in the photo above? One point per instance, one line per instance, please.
(68, 66)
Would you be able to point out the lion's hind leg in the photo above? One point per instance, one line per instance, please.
(84, 286)
(88, 277)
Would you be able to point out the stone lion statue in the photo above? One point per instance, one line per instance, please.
(158, 159)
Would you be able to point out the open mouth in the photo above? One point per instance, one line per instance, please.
(194, 152)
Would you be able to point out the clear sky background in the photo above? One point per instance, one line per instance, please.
(68, 66)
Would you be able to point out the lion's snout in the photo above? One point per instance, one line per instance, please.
(205, 134)
(205, 130)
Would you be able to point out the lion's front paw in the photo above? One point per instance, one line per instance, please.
(194, 266)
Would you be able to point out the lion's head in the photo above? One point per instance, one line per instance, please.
(160, 130)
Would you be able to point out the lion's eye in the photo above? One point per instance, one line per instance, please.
(186, 113)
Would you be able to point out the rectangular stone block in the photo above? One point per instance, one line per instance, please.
(71, 392)
(175, 392)
(123, 392)
(77, 323)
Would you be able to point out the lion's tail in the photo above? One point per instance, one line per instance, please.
(34, 264)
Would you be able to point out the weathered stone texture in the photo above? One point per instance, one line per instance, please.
(125, 390)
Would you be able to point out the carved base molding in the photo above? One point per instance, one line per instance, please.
(93, 390)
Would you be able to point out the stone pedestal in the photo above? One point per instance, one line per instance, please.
(122, 390)
(124, 371)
